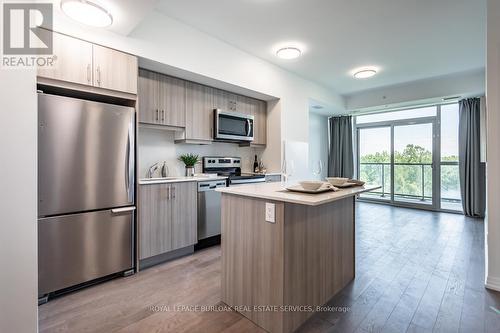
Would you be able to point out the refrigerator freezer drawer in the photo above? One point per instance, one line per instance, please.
(73, 249)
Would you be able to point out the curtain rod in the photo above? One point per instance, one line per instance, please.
(408, 107)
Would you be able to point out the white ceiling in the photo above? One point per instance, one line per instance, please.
(127, 14)
(407, 39)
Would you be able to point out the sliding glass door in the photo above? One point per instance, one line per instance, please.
(374, 145)
(399, 158)
(413, 163)
(412, 155)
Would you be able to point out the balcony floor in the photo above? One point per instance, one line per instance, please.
(445, 204)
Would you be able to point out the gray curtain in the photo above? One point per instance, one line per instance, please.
(340, 153)
(472, 171)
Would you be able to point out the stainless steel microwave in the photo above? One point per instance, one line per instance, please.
(233, 126)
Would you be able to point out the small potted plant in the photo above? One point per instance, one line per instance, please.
(189, 161)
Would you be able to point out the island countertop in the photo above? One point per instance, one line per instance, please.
(277, 192)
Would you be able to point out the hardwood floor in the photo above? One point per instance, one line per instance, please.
(416, 271)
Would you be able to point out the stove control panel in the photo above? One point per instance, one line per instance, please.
(221, 162)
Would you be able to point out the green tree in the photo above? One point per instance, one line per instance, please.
(411, 166)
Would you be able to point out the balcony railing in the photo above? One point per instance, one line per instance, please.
(413, 181)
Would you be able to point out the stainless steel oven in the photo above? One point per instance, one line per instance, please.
(233, 126)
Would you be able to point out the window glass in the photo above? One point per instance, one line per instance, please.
(397, 115)
(449, 133)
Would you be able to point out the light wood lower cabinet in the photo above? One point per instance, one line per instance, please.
(184, 214)
(167, 217)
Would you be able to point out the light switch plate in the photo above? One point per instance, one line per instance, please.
(270, 212)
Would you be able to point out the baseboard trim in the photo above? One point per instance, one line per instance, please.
(493, 283)
(164, 257)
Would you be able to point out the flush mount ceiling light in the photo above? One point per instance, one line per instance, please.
(87, 12)
(288, 53)
(365, 73)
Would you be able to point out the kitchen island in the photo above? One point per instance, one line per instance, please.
(284, 254)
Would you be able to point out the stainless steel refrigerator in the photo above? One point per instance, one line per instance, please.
(85, 191)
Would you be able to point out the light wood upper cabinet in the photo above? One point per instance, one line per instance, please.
(224, 100)
(167, 217)
(148, 95)
(199, 112)
(260, 123)
(89, 64)
(245, 105)
(165, 100)
(172, 100)
(184, 214)
(162, 99)
(114, 70)
(258, 109)
(73, 63)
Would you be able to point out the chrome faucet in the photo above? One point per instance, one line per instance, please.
(163, 171)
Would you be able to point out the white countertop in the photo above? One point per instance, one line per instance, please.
(149, 181)
(265, 174)
(277, 192)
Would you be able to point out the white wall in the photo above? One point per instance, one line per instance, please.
(158, 145)
(470, 83)
(492, 227)
(18, 200)
(318, 143)
(168, 41)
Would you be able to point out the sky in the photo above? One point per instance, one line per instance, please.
(378, 139)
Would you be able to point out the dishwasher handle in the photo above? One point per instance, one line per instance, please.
(210, 185)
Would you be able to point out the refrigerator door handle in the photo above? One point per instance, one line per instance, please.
(122, 210)
(129, 173)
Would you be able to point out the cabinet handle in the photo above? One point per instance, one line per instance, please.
(98, 76)
(173, 192)
(163, 115)
(157, 115)
(168, 193)
(88, 73)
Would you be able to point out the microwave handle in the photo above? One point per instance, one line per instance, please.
(249, 127)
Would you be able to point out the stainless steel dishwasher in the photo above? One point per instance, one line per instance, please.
(209, 218)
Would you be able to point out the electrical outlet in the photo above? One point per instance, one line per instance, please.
(270, 212)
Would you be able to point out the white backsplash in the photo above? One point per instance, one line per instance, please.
(158, 145)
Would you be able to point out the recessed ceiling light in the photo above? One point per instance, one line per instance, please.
(87, 12)
(288, 53)
(365, 73)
